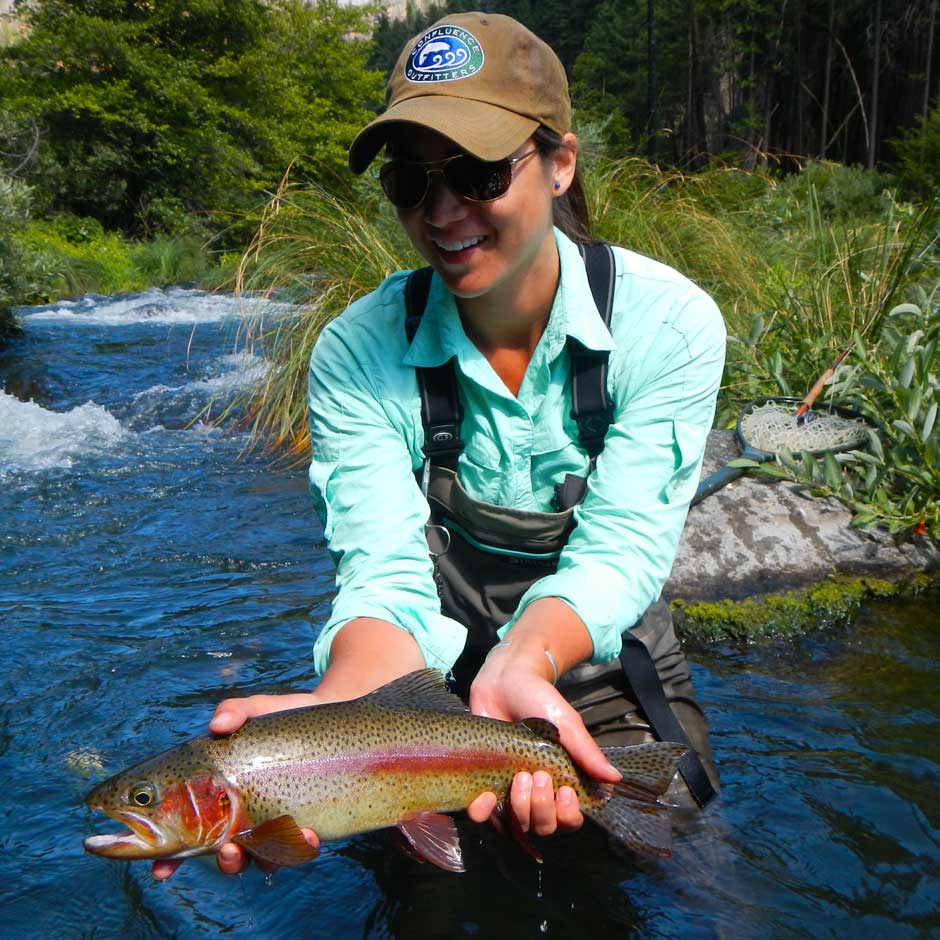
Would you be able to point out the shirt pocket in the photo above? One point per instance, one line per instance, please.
(688, 443)
(482, 468)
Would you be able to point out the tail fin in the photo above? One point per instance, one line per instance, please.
(633, 814)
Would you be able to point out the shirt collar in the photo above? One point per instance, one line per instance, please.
(440, 335)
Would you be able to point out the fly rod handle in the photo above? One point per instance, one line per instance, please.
(814, 392)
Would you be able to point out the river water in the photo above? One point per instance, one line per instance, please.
(150, 568)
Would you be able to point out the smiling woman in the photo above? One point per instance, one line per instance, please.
(505, 442)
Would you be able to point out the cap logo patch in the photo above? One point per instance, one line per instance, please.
(444, 54)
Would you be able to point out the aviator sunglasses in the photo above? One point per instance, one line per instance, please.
(406, 183)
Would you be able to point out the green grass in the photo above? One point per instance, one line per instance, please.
(69, 256)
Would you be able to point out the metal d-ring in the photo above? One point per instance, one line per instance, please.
(445, 539)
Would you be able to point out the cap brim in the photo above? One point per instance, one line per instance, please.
(479, 128)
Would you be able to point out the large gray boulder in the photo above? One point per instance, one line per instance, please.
(757, 536)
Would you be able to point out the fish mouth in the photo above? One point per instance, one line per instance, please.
(142, 840)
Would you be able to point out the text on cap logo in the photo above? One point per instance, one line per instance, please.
(444, 54)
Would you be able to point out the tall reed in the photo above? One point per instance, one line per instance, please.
(322, 252)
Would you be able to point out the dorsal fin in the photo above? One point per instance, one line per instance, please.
(543, 728)
(425, 688)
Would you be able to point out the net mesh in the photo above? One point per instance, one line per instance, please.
(772, 426)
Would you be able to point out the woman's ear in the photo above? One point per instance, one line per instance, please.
(566, 161)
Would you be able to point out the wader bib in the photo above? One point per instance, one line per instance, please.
(486, 557)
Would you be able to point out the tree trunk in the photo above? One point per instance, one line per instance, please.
(824, 135)
(651, 90)
(928, 68)
(875, 75)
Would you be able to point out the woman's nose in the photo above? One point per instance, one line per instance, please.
(441, 204)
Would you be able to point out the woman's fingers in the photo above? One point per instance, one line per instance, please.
(482, 807)
(539, 809)
(543, 820)
(568, 809)
(520, 799)
(231, 859)
(231, 714)
(165, 867)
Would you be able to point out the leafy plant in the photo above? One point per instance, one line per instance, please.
(918, 150)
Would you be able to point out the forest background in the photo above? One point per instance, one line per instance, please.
(783, 153)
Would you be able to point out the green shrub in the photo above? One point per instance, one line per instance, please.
(836, 192)
(23, 273)
(918, 151)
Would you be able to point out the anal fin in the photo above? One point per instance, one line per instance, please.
(278, 841)
(435, 838)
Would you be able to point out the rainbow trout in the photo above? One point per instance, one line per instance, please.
(402, 756)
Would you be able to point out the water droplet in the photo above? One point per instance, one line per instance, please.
(269, 879)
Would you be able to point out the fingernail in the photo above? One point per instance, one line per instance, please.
(228, 854)
(541, 780)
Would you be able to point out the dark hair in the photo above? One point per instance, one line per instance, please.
(570, 211)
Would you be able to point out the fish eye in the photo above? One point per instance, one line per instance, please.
(143, 794)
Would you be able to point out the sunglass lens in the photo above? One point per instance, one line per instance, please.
(404, 184)
(477, 179)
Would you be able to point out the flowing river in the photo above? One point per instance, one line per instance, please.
(150, 567)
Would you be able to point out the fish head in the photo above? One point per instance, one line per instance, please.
(175, 805)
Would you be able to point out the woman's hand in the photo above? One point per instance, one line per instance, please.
(516, 682)
(513, 686)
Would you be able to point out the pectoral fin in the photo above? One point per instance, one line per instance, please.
(278, 841)
(435, 838)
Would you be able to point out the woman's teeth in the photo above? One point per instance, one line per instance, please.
(459, 246)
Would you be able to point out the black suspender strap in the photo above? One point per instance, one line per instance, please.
(599, 262)
(591, 406)
(441, 412)
(641, 673)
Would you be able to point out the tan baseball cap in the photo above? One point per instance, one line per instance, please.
(481, 79)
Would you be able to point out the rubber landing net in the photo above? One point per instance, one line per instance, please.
(772, 426)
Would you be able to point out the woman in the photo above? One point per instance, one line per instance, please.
(463, 394)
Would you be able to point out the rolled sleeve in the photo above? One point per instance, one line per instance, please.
(622, 549)
(372, 511)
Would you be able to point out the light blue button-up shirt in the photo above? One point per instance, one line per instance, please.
(666, 343)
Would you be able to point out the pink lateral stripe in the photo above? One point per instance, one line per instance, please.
(407, 759)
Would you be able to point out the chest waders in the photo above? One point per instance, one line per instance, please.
(486, 557)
